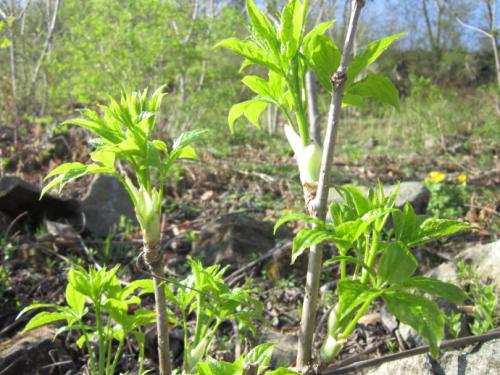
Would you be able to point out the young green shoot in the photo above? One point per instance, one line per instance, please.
(124, 142)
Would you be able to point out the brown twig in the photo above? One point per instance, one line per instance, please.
(448, 344)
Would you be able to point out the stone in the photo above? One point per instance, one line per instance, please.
(414, 192)
(481, 359)
(33, 353)
(5, 221)
(285, 348)
(18, 196)
(104, 203)
(485, 260)
(233, 239)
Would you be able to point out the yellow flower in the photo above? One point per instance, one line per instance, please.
(462, 178)
(435, 176)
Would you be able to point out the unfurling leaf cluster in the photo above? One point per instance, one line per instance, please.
(288, 52)
(124, 135)
(205, 293)
(382, 262)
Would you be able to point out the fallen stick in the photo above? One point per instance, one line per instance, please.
(463, 341)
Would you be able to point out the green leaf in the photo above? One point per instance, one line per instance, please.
(292, 22)
(188, 152)
(181, 147)
(67, 172)
(432, 229)
(422, 315)
(251, 52)
(98, 126)
(261, 24)
(307, 238)
(251, 109)
(319, 29)
(376, 87)
(74, 299)
(355, 199)
(324, 58)
(397, 263)
(350, 259)
(259, 86)
(369, 56)
(37, 306)
(405, 224)
(44, 318)
(351, 295)
(104, 157)
(436, 288)
(296, 216)
(214, 367)
(161, 146)
(353, 100)
(260, 355)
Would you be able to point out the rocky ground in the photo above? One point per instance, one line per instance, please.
(220, 214)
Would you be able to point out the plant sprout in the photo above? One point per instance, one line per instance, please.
(383, 264)
(288, 53)
(124, 140)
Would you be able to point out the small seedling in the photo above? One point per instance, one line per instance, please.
(125, 142)
(382, 263)
(99, 293)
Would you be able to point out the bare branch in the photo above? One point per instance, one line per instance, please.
(475, 28)
(47, 45)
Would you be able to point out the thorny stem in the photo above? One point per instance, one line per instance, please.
(339, 80)
(153, 260)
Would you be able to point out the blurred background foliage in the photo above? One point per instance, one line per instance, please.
(57, 56)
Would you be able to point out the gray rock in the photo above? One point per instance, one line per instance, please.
(482, 360)
(4, 223)
(18, 196)
(411, 338)
(285, 349)
(28, 354)
(104, 203)
(233, 239)
(413, 192)
(485, 260)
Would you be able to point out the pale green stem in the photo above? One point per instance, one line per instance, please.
(356, 318)
(186, 342)
(198, 328)
(300, 113)
(343, 269)
(371, 256)
(90, 349)
(117, 357)
(100, 332)
(141, 357)
(110, 348)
